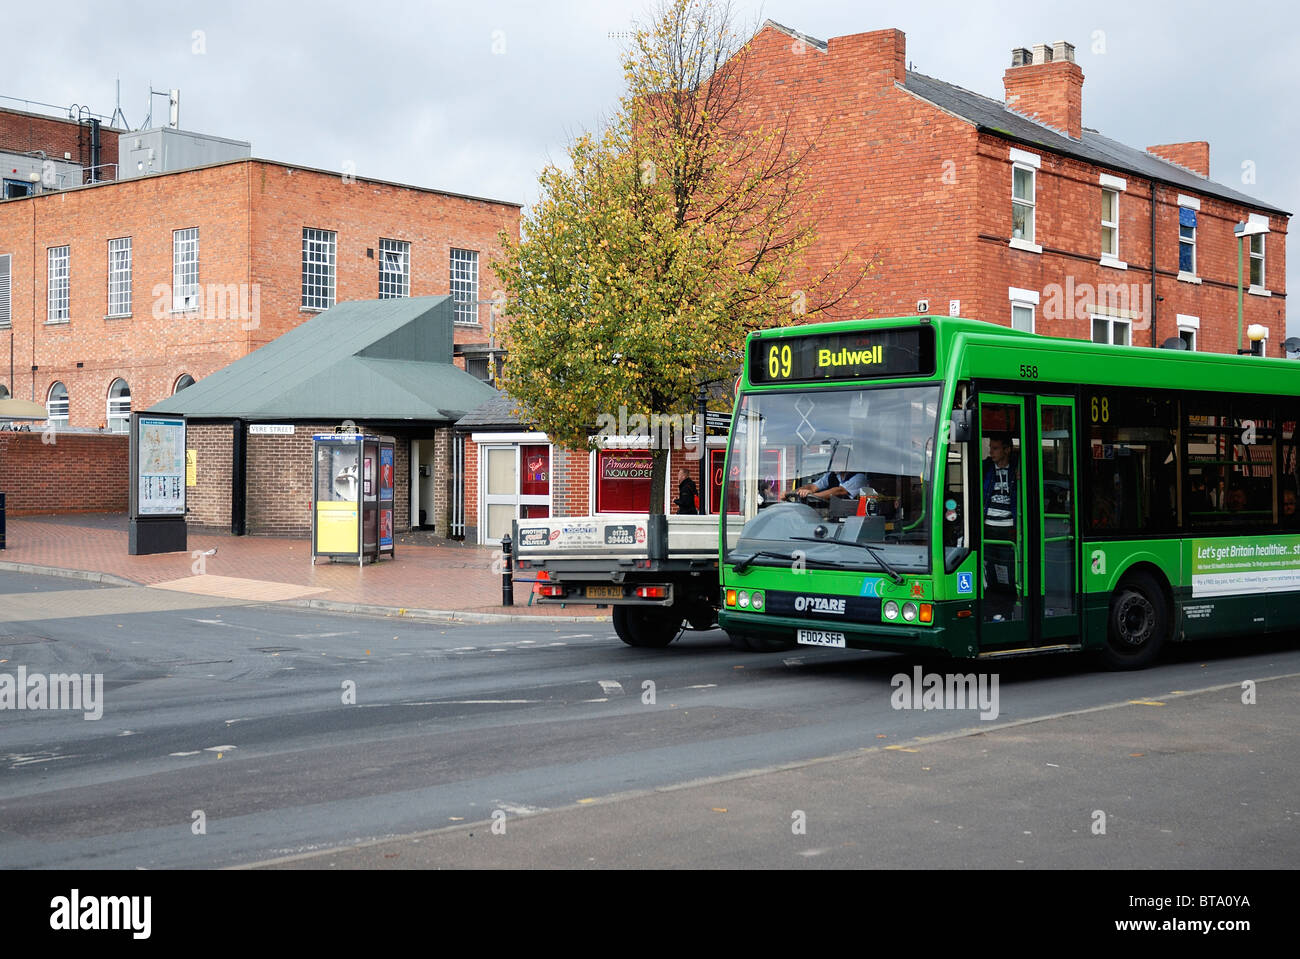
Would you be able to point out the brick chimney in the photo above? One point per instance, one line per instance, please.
(1194, 155)
(881, 54)
(1047, 86)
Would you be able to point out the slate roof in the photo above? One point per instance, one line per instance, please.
(497, 413)
(374, 359)
(993, 116)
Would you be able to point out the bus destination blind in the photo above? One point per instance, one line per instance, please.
(842, 356)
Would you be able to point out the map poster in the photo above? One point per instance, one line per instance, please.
(161, 446)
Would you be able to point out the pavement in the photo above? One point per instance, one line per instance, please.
(427, 579)
(1196, 779)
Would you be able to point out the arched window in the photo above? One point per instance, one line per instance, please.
(183, 383)
(56, 404)
(4, 392)
(119, 406)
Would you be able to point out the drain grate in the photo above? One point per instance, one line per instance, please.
(272, 649)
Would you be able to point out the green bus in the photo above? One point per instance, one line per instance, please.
(946, 486)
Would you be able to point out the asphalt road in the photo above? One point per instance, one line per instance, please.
(314, 739)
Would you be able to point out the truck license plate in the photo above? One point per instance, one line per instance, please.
(604, 592)
(819, 637)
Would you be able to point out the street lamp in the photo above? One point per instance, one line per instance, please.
(1241, 231)
(1256, 333)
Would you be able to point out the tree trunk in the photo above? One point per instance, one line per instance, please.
(658, 479)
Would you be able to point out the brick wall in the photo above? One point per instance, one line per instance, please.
(77, 473)
(250, 215)
(1069, 271)
(279, 479)
(901, 178)
(440, 514)
(22, 132)
(1194, 155)
(209, 501)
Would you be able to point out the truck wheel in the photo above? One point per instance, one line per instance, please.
(1138, 624)
(651, 627)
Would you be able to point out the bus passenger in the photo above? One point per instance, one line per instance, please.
(1000, 481)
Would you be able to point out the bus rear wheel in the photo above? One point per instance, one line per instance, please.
(652, 627)
(1138, 624)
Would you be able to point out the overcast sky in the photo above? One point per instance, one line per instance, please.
(474, 97)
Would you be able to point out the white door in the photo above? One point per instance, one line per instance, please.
(515, 483)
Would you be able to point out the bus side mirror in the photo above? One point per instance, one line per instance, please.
(960, 432)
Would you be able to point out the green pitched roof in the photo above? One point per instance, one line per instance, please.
(375, 359)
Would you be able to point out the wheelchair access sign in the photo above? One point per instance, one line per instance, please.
(965, 583)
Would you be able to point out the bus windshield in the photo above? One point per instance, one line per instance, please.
(832, 478)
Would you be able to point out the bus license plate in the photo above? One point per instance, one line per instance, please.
(604, 592)
(818, 637)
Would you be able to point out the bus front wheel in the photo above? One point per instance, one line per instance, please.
(1138, 624)
(651, 627)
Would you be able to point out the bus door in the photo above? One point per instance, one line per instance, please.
(1028, 477)
(1004, 590)
(1056, 537)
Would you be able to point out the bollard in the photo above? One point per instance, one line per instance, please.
(507, 584)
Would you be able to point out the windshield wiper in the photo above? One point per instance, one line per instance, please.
(746, 561)
(894, 574)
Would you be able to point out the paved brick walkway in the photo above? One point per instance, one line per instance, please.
(453, 578)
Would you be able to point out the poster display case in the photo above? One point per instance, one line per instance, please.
(353, 477)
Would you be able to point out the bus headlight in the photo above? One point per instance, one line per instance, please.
(756, 602)
(909, 612)
(891, 610)
(742, 599)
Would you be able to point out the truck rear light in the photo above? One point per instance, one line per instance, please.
(521, 564)
(550, 590)
(652, 592)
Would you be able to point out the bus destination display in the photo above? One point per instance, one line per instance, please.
(842, 356)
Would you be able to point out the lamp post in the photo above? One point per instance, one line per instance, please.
(1241, 231)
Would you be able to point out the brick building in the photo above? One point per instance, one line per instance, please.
(1004, 210)
(44, 152)
(1011, 210)
(384, 366)
(115, 295)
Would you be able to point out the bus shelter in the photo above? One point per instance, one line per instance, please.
(352, 496)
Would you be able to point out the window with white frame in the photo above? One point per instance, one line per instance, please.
(394, 269)
(1111, 330)
(1257, 260)
(6, 305)
(1022, 203)
(183, 382)
(464, 285)
(57, 306)
(1024, 304)
(1186, 241)
(119, 276)
(185, 269)
(1110, 223)
(4, 392)
(56, 404)
(119, 406)
(1188, 329)
(318, 256)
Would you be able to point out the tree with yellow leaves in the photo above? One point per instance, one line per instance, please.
(680, 228)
